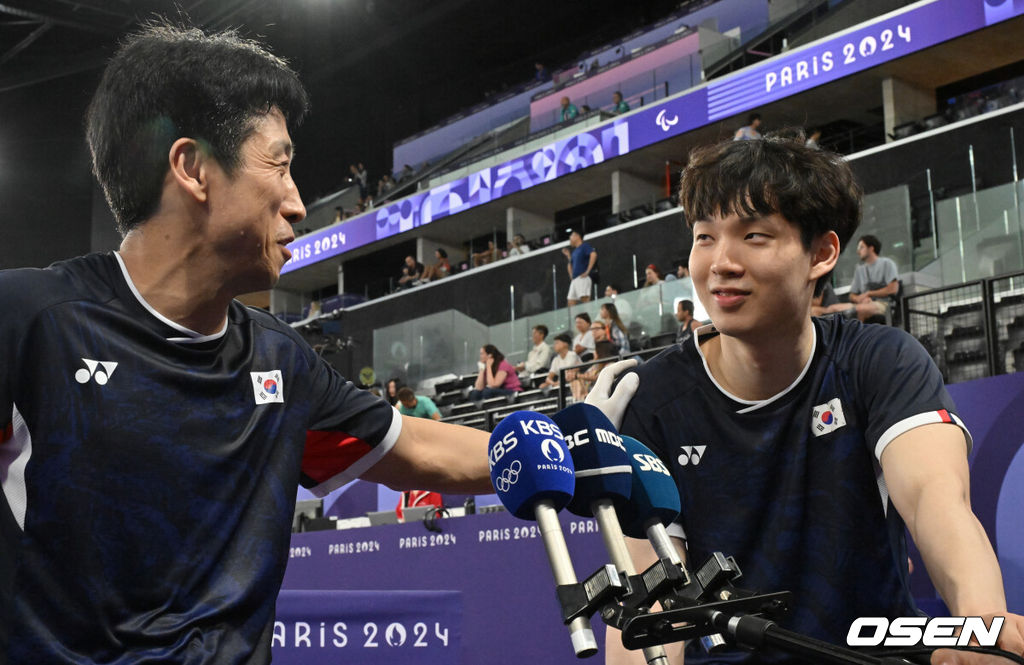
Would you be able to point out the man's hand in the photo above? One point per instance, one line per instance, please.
(613, 404)
(1011, 638)
(565, 250)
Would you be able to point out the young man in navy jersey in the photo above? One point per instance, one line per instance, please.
(803, 446)
(153, 431)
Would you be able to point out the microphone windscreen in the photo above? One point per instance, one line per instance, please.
(654, 491)
(529, 461)
(602, 465)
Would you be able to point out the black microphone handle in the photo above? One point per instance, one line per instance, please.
(615, 543)
(581, 635)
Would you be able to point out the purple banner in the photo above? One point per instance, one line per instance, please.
(891, 37)
(854, 51)
(328, 627)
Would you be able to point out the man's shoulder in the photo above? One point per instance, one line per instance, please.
(28, 290)
(666, 375)
(850, 343)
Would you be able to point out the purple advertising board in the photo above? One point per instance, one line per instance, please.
(879, 41)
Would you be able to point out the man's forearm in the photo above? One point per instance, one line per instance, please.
(957, 553)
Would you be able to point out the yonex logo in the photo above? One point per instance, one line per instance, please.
(691, 455)
(552, 451)
(664, 122)
(98, 370)
(509, 477)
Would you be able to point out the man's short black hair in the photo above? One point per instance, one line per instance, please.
(584, 316)
(563, 337)
(542, 329)
(752, 117)
(167, 82)
(686, 306)
(814, 189)
(872, 242)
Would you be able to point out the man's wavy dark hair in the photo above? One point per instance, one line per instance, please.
(166, 82)
(814, 189)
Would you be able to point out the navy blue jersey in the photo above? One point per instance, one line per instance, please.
(150, 473)
(791, 486)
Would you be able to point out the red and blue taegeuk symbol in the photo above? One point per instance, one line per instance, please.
(270, 386)
(827, 418)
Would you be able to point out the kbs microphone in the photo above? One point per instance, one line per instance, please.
(532, 473)
(653, 505)
(603, 478)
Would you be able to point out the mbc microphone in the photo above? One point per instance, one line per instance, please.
(532, 473)
(603, 479)
(653, 505)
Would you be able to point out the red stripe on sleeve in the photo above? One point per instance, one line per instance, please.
(6, 433)
(946, 418)
(329, 453)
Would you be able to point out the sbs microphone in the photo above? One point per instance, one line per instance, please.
(603, 479)
(653, 505)
(532, 473)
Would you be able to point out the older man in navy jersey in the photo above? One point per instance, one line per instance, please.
(804, 446)
(153, 431)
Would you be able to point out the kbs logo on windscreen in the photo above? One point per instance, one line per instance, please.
(923, 631)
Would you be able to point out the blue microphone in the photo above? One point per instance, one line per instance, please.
(532, 473)
(603, 479)
(653, 505)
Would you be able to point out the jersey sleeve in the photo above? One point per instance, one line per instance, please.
(890, 272)
(351, 431)
(900, 386)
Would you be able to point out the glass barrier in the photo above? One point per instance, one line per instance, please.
(433, 345)
(885, 214)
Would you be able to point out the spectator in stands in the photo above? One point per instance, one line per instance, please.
(814, 138)
(875, 282)
(564, 357)
(384, 186)
(485, 256)
(583, 343)
(682, 269)
(619, 104)
(542, 73)
(603, 348)
(616, 329)
(750, 130)
(625, 309)
(653, 275)
(406, 174)
(569, 110)
(391, 389)
(518, 246)
(359, 178)
(497, 376)
(337, 214)
(539, 357)
(418, 406)
(582, 259)
(822, 303)
(687, 324)
(440, 269)
(412, 272)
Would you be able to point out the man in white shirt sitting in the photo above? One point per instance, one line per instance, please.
(564, 357)
(539, 357)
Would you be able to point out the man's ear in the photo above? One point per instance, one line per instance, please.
(189, 167)
(824, 254)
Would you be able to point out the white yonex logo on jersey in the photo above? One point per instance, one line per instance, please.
(98, 370)
(827, 417)
(691, 455)
(268, 387)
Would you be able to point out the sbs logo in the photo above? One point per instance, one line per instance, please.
(509, 477)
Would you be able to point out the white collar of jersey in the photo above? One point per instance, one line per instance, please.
(752, 405)
(190, 336)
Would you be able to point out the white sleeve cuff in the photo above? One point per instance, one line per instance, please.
(364, 462)
(926, 418)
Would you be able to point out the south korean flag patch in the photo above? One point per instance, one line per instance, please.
(268, 387)
(827, 417)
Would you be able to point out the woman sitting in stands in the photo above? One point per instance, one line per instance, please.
(440, 269)
(654, 275)
(391, 390)
(584, 380)
(496, 378)
(483, 257)
(617, 334)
